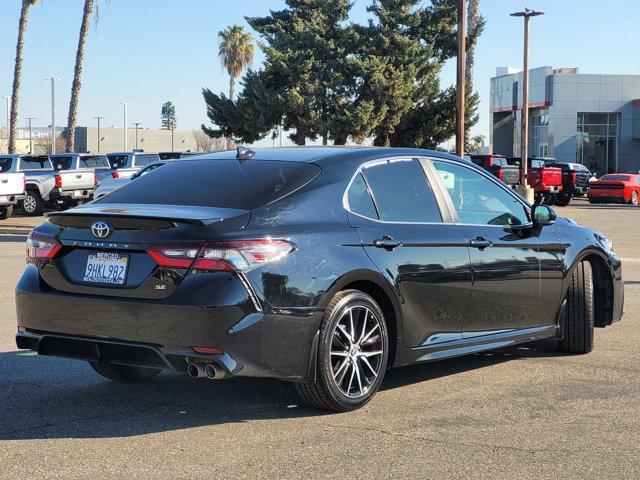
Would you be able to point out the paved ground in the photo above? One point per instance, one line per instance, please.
(517, 413)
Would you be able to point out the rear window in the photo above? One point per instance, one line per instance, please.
(618, 178)
(216, 183)
(61, 163)
(5, 164)
(143, 160)
(94, 161)
(117, 161)
(35, 163)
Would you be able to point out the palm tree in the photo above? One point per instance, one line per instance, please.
(17, 73)
(236, 53)
(77, 74)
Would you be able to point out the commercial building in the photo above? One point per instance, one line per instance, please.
(574, 117)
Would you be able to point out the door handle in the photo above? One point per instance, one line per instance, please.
(480, 243)
(387, 242)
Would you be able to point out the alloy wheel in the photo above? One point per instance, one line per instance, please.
(29, 204)
(356, 351)
(634, 198)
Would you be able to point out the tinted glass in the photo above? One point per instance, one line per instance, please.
(478, 200)
(117, 161)
(61, 163)
(147, 169)
(35, 163)
(5, 164)
(499, 161)
(219, 183)
(619, 178)
(142, 160)
(360, 200)
(94, 161)
(401, 192)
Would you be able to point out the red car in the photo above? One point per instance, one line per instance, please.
(615, 188)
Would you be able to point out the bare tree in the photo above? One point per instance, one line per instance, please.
(42, 146)
(205, 143)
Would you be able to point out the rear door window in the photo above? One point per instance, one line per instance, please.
(5, 164)
(359, 198)
(94, 161)
(401, 192)
(118, 161)
(62, 163)
(220, 183)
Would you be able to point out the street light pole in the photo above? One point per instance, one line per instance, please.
(524, 189)
(98, 118)
(137, 124)
(53, 81)
(30, 135)
(460, 77)
(124, 111)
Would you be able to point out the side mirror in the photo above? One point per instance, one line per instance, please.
(543, 215)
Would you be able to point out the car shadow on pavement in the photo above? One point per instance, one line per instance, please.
(13, 233)
(46, 397)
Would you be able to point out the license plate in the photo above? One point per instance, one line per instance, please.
(106, 268)
(78, 193)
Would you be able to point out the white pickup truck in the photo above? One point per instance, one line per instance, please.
(75, 176)
(12, 188)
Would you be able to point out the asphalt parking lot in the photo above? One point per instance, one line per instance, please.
(523, 412)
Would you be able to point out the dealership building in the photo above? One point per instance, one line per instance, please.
(573, 117)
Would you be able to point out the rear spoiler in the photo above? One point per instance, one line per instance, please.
(194, 215)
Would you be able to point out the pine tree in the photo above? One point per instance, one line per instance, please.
(168, 120)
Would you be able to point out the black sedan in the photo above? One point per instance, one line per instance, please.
(321, 266)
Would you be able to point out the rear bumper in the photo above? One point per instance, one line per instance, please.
(260, 343)
(65, 195)
(548, 188)
(606, 197)
(6, 200)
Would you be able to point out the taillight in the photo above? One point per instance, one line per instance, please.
(42, 246)
(240, 255)
(500, 174)
(115, 175)
(95, 179)
(58, 180)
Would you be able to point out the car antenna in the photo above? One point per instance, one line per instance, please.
(245, 153)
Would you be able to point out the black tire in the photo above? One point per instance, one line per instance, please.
(124, 373)
(563, 199)
(6, 212)
(549, 199)
(325, 392)
(634, 199)
(578, 334)
(33, 205)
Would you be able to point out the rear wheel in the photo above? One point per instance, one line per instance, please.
(634, 198)
(579, 319)
(33, 205)
(352, 354)
(563, 199)
(549, 198)
(6, 212)
(124, 373)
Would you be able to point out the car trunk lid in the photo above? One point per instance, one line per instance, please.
(11, 184)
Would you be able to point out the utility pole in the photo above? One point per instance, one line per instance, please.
(124, 111)
(53, 81)
(137, 124)
(460, 77)
(30, 135)
(524, 189)
(172, 129)
(98, 118)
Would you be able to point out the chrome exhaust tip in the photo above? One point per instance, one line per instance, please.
(212, 372)
(195, 370)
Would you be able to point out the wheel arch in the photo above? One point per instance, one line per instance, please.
(376, 286)
(602, 283)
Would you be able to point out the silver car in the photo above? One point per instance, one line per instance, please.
(112, 184)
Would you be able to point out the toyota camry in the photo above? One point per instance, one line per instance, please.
(320, 266)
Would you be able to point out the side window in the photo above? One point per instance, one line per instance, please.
(478, 200)
(401, 192)
(141, 160)
(359, 198)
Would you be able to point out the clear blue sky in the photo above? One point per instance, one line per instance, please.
(150, 51)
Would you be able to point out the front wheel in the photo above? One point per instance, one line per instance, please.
(549, 198)
(33, 205)
(124, 373)
(563, 199)
(352, 354)
(578, 334)
(6, 212)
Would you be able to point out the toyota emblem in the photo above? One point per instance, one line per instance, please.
(100, 229)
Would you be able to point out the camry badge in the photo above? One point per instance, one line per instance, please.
(100, 229)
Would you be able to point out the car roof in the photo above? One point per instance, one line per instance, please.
(327, 154)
